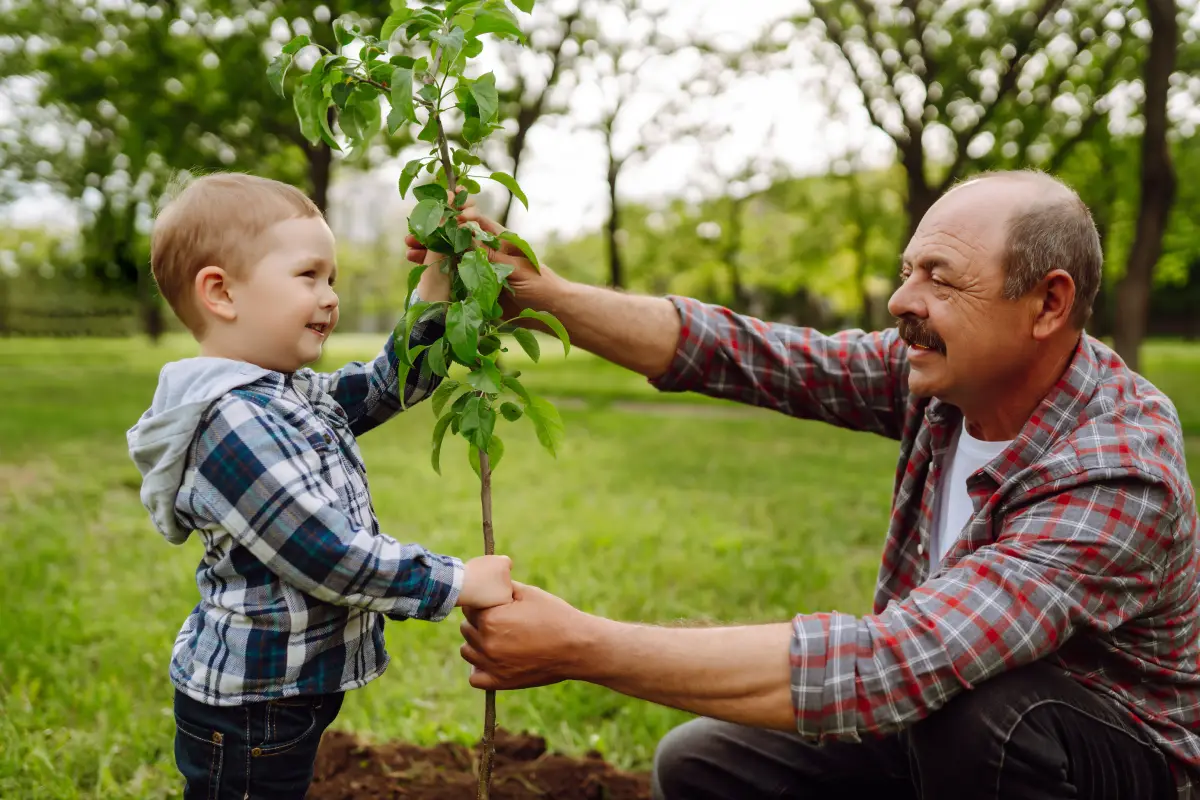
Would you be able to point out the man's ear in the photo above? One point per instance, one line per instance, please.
(213, 293)
(1055, 297)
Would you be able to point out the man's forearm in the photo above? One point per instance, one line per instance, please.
(636, 332)
(739, 674)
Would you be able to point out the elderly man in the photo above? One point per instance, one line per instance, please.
(1034, 632)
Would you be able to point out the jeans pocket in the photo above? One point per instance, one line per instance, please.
(288, 722)
(200, 757)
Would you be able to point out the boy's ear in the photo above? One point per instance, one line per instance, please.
(212, 291)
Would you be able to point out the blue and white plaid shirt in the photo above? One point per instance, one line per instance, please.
(296, 577)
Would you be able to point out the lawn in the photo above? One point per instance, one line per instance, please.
(659, 509)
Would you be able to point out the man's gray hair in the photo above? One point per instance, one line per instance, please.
(1057, 232)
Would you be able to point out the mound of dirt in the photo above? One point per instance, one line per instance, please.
(348, 769)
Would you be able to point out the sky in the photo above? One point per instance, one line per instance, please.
(777, 119)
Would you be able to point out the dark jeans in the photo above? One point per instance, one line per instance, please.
(1033, 733)
(261, 750)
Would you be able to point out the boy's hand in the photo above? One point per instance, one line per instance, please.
(487, 582)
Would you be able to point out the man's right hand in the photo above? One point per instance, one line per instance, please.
(531, 288)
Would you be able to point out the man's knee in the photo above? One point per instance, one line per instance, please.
(680, 758)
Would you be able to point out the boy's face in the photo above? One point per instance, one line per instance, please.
(286, 306)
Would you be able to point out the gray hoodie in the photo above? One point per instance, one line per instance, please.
(160, 440)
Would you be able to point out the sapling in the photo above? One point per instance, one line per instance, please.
(428, 85)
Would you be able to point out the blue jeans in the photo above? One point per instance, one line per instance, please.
(1030, 734)
(261, 750)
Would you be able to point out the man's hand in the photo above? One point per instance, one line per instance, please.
(487, 582)
(535, 640)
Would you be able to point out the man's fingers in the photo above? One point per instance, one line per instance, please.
(472, 636)
(481, 679)
(471, 214)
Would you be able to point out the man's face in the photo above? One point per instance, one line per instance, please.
(966, 341)
(286, 305)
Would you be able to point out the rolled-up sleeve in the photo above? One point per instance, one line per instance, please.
(1088, 556)
(852, 379)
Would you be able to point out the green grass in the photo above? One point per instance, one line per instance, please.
(669, 513)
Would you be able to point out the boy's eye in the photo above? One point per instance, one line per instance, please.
(312, 273)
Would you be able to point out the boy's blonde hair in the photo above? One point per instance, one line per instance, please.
(215, 220)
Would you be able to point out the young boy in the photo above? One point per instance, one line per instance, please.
(257, 455)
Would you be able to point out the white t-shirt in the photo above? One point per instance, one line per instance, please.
(966, 456)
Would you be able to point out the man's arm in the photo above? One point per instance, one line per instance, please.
(259, 478)
(1089, 557)
(853, 379)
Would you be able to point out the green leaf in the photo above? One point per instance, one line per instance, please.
(486, 379)
(510, 183)
(451, 44)
(474, 131)
(478, 421)
(342, 32)
(439, 433)
(464, 157)
(294, 46)
(470, 185)
(276, 71)
(522, 245)
(497, 20)
(460, 198)
(409, 174)
(463, 331)
(495, 452)
(429, 132)
(414, 278)
(430, 191)
(410, 320)
(401, 99)
(489, 344)
(399, 5)
(442, 395)
(458, 236)
(484, 92)
(528, 342)
(435, 357)
(479, 278)
(408, 62)
(394, 22)
(310, 105)
(511, 382)
(340, 92)
(426, 217)
(524, 5)
(551, 322)
(463, 21)
(511, 411)
(547, 423)
(454, 6)
(429, 93)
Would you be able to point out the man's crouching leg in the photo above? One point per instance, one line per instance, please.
(1035, 733)
(710, 760)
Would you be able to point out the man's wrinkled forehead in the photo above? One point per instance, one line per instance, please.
(968, 224)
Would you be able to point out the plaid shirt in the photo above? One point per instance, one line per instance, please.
(297, 578)
(1082, 547)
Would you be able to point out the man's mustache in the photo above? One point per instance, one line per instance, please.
(915, 331)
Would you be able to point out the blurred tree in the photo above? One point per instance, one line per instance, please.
(967, 86)
(125, 94)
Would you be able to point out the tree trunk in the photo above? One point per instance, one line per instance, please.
(920, 194)
(732, 254)
(526, 117)
(1157, 187)
(320, 164)
(615, 270)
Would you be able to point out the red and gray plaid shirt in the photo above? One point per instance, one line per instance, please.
(1082, 547)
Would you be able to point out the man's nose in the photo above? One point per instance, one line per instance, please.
(907, 300)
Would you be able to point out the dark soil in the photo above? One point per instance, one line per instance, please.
(348, 769)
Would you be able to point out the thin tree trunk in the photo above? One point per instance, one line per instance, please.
(320, 165)
(732, 254)
(615, 269)
(1157, 186)
(920, 194)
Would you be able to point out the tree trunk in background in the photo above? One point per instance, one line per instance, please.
(1157, 186)
(920, 194)
(320, 164)
(732, 253)
(616, 276)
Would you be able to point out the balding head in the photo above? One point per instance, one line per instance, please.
(1049, 228)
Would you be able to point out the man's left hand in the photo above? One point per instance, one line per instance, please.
(535, 640)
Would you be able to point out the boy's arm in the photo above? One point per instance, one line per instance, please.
(369, 392)
(260, 478)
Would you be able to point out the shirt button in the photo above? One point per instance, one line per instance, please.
(256, 752)
(328, 439)
(920, 549)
